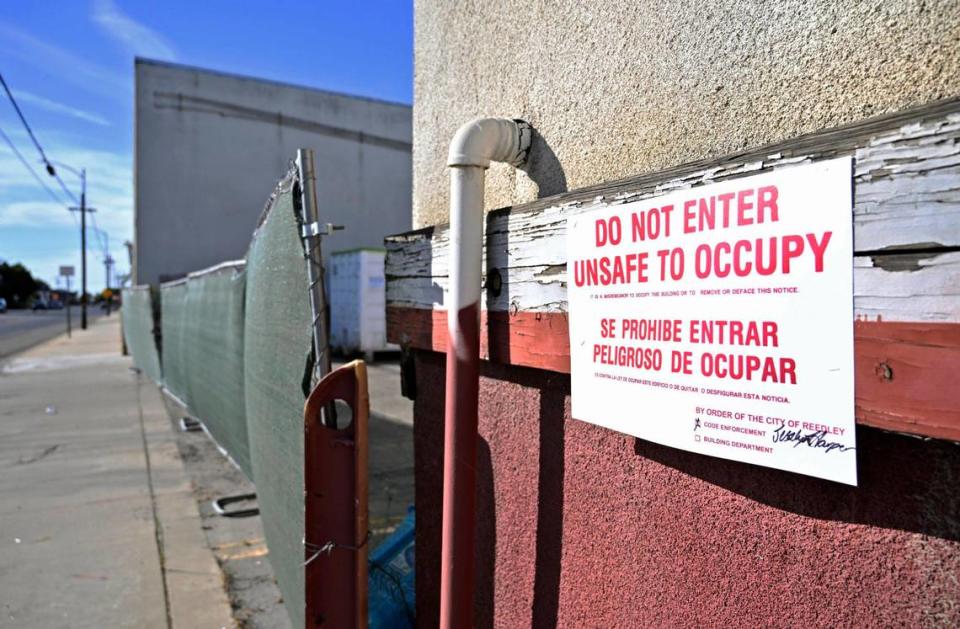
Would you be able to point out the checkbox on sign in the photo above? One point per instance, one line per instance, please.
(696, 437)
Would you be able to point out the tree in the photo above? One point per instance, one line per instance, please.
(17, 284)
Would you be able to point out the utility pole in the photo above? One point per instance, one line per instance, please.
(66, 272)
(84, 210)
(67, 300)
(107, 265)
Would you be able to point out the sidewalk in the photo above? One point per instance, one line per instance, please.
(98, 524)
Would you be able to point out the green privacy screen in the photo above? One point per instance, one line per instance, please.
(277, 337)
(235, 343)
(203, 353)
(213, 353)
(138, 330)
(173, 314)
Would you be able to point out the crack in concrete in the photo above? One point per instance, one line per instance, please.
(41, 455)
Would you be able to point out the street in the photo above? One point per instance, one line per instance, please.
(20, 329)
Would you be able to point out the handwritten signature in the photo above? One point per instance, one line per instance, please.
(813, 439)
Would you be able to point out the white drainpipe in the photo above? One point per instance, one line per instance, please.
(474, 146)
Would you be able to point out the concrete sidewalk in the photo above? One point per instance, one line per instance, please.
(98, 524)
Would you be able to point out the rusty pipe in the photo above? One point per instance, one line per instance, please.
(474, 147)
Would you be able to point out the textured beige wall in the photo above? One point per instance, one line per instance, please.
(620, 87)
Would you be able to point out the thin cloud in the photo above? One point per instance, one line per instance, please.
(34, 214)
(135, 37)
(70, 67)
(60, 108)
(109, 189)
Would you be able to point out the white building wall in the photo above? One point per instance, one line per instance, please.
(210, 147)
(357, 286)
(615, 88)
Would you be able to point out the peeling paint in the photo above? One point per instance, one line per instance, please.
(906, 262)
(906, 224)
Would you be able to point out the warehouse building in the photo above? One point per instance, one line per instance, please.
(209, 144)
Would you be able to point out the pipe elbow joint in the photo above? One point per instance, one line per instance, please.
(486, 140)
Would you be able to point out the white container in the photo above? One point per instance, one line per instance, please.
(358, 302)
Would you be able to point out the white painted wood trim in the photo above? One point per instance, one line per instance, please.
(906, 229)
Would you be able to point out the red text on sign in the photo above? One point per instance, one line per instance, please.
(746, 207)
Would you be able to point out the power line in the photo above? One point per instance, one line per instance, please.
(99, 233)
(65, 189)
(53, 172)
(24, 121)
(40, 181)
(75, 223)
(50, 169)
(83, 209)
(27, 165)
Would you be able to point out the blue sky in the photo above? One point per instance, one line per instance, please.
(70, 66)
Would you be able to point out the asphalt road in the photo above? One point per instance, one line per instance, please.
(20, 329)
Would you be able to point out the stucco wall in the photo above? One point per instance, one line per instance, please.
(579, 526)
(211, 146)
(619, 88)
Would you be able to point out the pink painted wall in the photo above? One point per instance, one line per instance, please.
(581, 526)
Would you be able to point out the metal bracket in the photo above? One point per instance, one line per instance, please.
(189, 424)
(219, 504)
(309, 230)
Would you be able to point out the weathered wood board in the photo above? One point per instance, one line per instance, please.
(906, 219)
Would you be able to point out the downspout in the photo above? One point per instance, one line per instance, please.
(474, 146)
